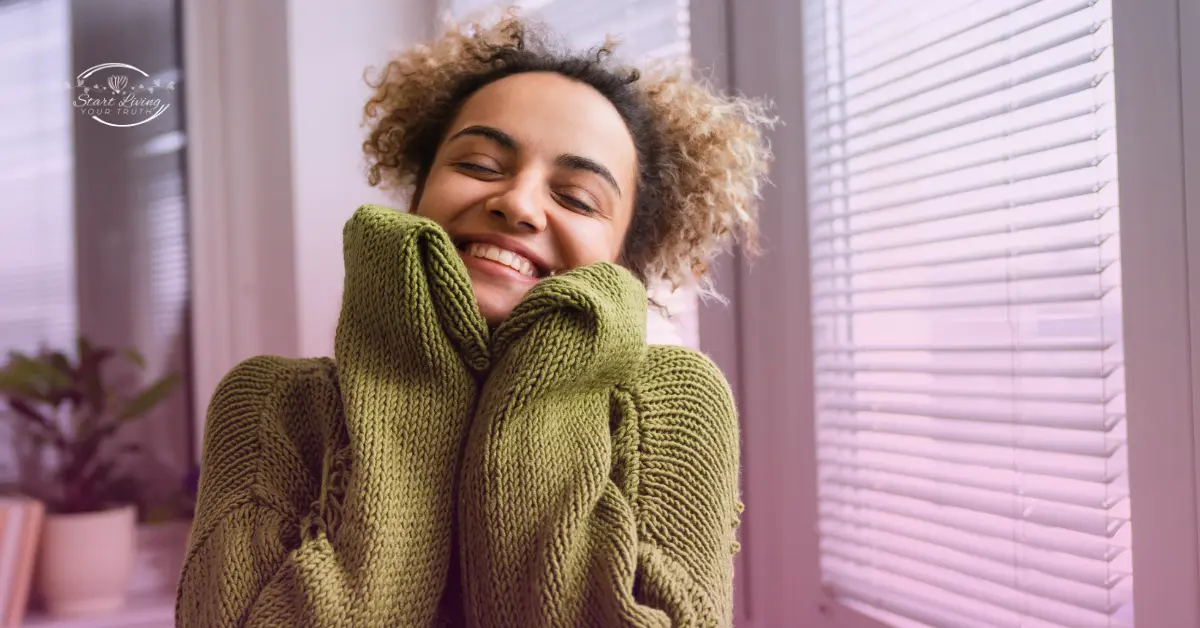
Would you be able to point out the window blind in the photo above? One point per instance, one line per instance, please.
(966, 305)
(37, 223)
(647, 29)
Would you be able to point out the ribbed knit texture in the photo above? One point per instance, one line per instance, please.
(573, 475)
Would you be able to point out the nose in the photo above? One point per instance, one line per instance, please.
(520, 206)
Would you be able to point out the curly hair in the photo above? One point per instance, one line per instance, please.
(702, 157)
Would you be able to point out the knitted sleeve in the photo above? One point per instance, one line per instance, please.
(680, 422)
(326, 495)
(279, 541)
(599, 481)
(256, 489)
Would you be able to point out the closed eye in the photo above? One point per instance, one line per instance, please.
(470, 167)
(575, 203)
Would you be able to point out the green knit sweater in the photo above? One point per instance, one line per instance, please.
(555, 471)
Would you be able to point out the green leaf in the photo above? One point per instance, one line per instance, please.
(44, 424)
(84, 347)
(50, 373)
(91, 380)
(22, 371)
(59, 360)
(36, 378)
(14, 383)
(148, 398)
(133, 356)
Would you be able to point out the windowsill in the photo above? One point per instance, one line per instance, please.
(155, 610)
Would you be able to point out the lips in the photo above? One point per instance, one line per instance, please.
(505, 251)
(511, 259)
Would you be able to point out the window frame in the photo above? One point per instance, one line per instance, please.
(1161, 261)
(753, 48)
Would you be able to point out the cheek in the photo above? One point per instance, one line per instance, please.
(440, 201)
(587, 241)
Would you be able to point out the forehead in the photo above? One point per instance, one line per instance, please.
(547, 112)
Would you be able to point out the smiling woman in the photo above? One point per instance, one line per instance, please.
(524, 181)
(495, 443)
(694, 160)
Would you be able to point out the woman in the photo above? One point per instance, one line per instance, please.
(495, 444)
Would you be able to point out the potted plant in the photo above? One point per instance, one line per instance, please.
(71, 416)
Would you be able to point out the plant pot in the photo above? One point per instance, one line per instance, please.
(85, 561)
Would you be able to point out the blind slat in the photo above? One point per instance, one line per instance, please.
(1000, 85)
(1015, 226)
(981, 156)
(1023, 200)
(1002, 36)
(1062, 396)
(1098, 445)
(974, 347)
(824, 174)
(1003, 481)
(1085, 241)
(1097, 548)
(1072, 467)
(910, 601)
(974, 587)
(1040, 171)
(1097, 371)
(955, 108)
(1091, 571)
(1098, 522)
(1002, 275)
(1077, 32)
(968, 563)
(998, 11)
(950, 304)
(1058, 90)
(1092, 418)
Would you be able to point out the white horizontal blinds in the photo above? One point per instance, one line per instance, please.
(967, 310)
(37, 225)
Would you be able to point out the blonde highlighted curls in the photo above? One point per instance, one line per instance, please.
(704, 157)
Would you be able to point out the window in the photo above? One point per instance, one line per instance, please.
(37, 231)
(647, 29)
(93, 227)
(966, 304)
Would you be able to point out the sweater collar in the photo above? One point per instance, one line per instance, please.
(396, 256)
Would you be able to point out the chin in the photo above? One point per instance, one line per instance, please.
(494, 307)
(494, 316)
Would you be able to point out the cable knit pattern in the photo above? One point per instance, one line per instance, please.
(553, 472)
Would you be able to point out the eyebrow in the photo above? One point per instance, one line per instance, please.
(572, 162)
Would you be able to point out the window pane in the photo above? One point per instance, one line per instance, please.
(93, 228)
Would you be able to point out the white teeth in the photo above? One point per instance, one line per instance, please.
(508, 258)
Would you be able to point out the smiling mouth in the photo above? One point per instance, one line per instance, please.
(518, 263)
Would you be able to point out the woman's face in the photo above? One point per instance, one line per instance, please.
(536, 175)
